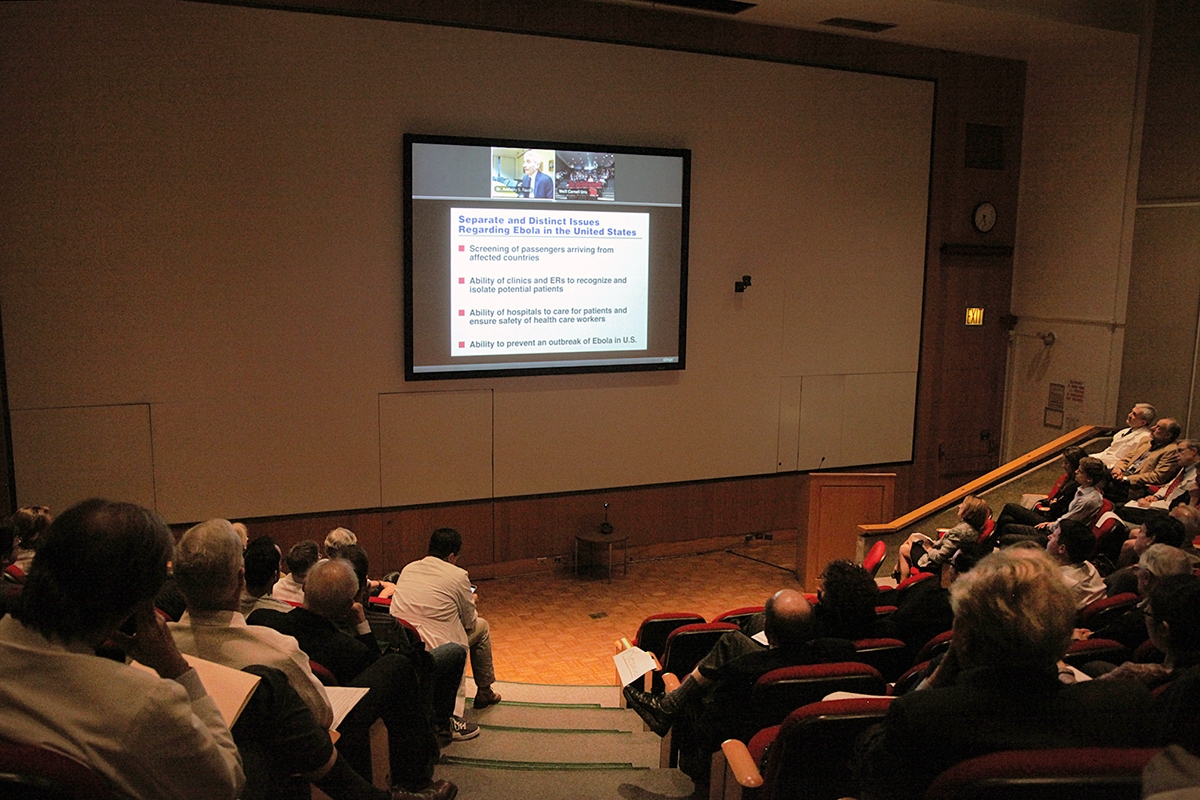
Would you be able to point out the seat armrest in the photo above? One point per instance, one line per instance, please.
(733, 769)
(740, 764)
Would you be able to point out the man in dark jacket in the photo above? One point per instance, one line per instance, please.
(713, 702)
(396, 693)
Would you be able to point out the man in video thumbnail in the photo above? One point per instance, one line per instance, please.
(535, 179)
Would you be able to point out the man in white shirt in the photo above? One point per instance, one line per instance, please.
(149, 736)
(1131, 441)
(1070, 546)
(209, 571)
(434, 596)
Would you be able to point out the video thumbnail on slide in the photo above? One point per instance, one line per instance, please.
(548, 281)
(538, 174)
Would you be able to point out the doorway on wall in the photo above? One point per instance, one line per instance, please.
(978, 283)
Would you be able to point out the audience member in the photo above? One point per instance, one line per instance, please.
(998, 687)
(1055, 504)
(435, 596)
(1180, 489)
(1158, 561)
(713, 702)
(441, 668)
(1189, 518)
(1157, 529)
(336, 539)
(243, 533)
(261, 560)
(1173, 623)
(357, 556)
(847, 596)
(1131, 441)
(290, 588)
(29, 523)
(921, 551)
(1070, 547)
(210, 573)
(150, 736)
(924, 609)
(395, 692)
(1085, 506)
(1156, 466)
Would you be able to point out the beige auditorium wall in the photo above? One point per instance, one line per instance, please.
(1074, 233)
(201, 210)
(1162, 348)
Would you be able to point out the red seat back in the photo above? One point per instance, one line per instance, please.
(653, 632)
(810, 755)
(889, 656)
(687, 644)
(1097, 614)
(33, 769)
(739, 616)
(875, 558)
(989, 527)
(323, 673)
(903, 586)
(781, 691)
(1082, 651)
(938, 644)
(1097, 773)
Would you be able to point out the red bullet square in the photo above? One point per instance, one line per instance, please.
(462, 344)
(461, 248)
(462, 313)
(462, 280)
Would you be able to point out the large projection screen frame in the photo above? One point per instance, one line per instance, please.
(611, 218)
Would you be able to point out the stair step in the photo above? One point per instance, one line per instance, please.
(535, 748)
(549, 695)
(615, 784)
(562, 718)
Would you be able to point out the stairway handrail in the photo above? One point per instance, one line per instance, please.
(1000, 473)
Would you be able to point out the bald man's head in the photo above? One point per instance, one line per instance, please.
(330, 588)
(789, 619)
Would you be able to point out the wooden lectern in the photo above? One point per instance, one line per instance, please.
(831, 507)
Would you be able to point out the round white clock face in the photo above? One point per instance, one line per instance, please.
(985, 217)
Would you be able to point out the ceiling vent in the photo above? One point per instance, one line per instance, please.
(720, 6)
(858, 24)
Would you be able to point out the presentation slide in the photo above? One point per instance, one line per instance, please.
(542, 282)
(532, 258)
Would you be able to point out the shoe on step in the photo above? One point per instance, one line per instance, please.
(486, 697)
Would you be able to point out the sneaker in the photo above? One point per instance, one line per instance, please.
(486, 697)
(461, 729)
